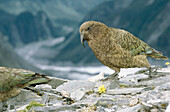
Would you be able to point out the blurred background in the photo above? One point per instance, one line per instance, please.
(42, 35)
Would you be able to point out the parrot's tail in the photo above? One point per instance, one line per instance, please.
(34, 79)
(156, 54)
(38, 79)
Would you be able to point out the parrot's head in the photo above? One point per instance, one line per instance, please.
(90, 30)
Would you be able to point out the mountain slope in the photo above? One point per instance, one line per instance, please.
(26, 21)
(61, 12)
(26, 27)
(9, 58)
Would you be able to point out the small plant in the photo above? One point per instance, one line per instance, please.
(167, 64)
(101, 89)
(31, 104)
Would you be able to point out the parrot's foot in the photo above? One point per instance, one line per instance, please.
(4, 107)
(111, 77)
(151, 71)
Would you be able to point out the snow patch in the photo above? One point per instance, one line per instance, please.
(28, 51)
(83, 72)
(89, 69)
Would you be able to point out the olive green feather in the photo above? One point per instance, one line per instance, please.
(134, 45)
(17, 78)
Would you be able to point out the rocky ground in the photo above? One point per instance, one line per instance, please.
(136, 92)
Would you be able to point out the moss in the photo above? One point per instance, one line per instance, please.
(31, 104)
(123, 86)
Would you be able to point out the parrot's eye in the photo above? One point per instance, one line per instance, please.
(88, 28)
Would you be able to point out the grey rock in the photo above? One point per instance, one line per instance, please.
(44, 87)
(64, 108)
(108, 102)
(76, 89)
(165, 87)
(124, 91)
(134, 101)
(112, 109)
(135, 108)
(158, 102)
(136, 93)
(156, 82)
(107, 84)
(168, 108)
(135, 78)
(24, 98)
(55, 82)
(155, 99)
(164, 70)
(88, 102)
(97, 77)
(52, 99)
(78, 94)
(76, 84)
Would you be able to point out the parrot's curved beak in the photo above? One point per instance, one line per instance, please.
(82, 39)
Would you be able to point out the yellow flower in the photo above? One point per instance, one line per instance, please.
(167, 63)
(101, 89)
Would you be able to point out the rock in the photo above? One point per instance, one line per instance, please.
(52, 99)
(76, 89)
(135, 93)
(55, 82)
(158, 102)
(134, 102)
(24, 98)
(65, 94)
(164, 70)
(107, 84)
(44, 87)
(76, 84)
(155, 99)
(156, 81)
(105, 103)
(168, 108)
(68, 108)
(124, 91)
(135, 108)
(88, 102)
(112, 109)
(135, 78)
(78, 94)
(165, 87)
(97, 77)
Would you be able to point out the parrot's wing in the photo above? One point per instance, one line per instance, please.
(130, 43)
(19, 78)
(136, 46)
